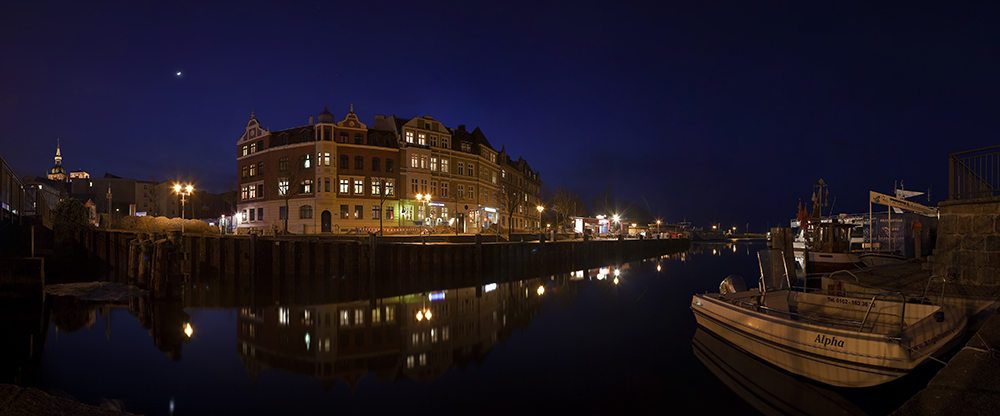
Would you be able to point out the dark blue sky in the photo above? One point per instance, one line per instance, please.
(721, 112)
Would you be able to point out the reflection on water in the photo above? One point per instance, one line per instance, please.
(415, 336)
(606, 339)
(768, 389)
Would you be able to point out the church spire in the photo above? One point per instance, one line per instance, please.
(58, 154)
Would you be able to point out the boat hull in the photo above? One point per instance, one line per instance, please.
(819, 262)
(834, 356)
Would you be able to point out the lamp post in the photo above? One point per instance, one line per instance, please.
(424, 200)
(540, 209)
(657, 228)
(183, 192)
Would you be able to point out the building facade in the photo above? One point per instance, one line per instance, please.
(396, 175)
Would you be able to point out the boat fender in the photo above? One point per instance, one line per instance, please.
(939, 316)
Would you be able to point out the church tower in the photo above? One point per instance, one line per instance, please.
(57, 173)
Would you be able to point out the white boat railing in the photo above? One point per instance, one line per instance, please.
(762, 307)
(902, 312)
(944, 281)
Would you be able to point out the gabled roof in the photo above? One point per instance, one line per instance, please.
(383, 138)
(479, 138)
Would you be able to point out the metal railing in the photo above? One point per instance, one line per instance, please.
(974, 173)
(11, 193)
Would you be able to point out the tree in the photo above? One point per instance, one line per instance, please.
(70, 215)
(385, 191)
(154, 196)
(565, 203)
(289, 176)
(511, 196)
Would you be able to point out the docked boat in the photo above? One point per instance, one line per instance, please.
(840, 339)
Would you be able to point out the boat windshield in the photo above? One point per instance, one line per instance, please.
(773, 273)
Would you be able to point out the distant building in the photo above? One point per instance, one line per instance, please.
(57, 173)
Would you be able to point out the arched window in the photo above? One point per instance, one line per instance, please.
(306, 212)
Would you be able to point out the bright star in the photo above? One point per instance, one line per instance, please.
(178, 73)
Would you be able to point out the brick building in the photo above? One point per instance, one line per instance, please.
(335, 176)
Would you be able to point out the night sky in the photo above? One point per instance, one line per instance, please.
(715, 112)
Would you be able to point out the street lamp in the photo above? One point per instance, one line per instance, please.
(183, 192)
(540, 209)
(424, 200)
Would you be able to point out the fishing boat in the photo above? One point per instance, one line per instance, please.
(837, 338)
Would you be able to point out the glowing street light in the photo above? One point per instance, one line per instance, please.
(541, 290)
(188, 330)
(183, 192)
(424, 313)
(424, 200)
(540, 209)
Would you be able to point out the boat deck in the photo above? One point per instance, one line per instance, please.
(882, 320)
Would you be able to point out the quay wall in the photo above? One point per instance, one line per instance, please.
(968, 241)
(236, 270)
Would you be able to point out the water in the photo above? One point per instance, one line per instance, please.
(586, 345)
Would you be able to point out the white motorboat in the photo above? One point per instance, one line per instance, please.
(835, 338)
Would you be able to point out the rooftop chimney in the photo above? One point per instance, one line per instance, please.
(310, 120)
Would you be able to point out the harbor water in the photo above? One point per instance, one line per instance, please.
(616, 339)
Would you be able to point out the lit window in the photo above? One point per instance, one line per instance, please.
(283, 187)
(345, 186)
(409, 137)
(306, 186)
(434, 164)
(422, 139)
(345, 318)
(376, 315)
(389, 314)
(444, 165)
(306, 161)
(359, 186)
(376, 187)
(423, 359)
(388, 188)
(283, 316)
(359, 317)
(409, 361)
(414, 161)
